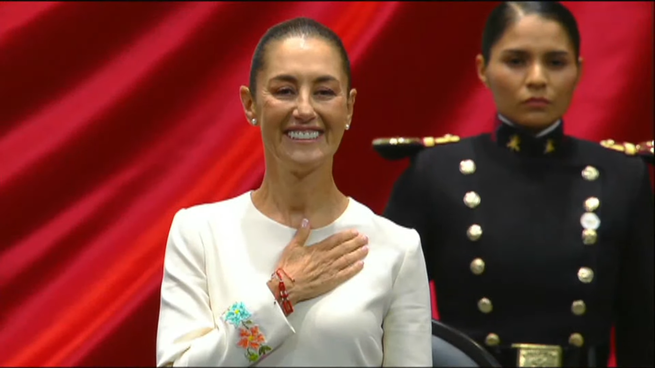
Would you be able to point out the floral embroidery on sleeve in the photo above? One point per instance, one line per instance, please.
(250, 336)
(236, 314)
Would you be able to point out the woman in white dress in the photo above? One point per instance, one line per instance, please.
(294, 273)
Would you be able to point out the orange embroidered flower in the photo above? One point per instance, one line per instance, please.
(251, 338)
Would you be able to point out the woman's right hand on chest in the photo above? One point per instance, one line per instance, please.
(323, 266)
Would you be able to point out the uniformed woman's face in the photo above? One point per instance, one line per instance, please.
(532, 72)
(302, 104)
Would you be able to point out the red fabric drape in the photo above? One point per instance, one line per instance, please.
(115, 115)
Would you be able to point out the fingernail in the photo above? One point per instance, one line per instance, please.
(366, 238)
(304, 223)
(365, 248)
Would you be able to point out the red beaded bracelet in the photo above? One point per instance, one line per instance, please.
(284, 295)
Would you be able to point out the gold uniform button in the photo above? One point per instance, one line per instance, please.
(474, 232)
(467, 167)
(590, 173)
(576, 340)
(578, 307)
(471, 199)
(590, 220)
(591, 204)
(485, 306)
(477, 266)
(492, 340)
(585, 275)
(589, 236)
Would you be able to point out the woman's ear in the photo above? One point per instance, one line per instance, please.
(351, 106)
(580, 70)
(248, 102)
(481, 68)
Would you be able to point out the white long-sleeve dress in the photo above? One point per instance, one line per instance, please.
(216, 309)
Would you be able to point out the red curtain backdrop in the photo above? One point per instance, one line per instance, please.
(115, 115)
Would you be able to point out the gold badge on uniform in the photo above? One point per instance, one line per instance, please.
(514, 143)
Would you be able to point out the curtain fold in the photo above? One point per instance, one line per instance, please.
(114, 115)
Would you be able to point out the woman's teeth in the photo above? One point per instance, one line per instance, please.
(303, 134)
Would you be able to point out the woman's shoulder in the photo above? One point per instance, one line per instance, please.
(618, 157)
(384, 229)
(425, 151)
(201, 211)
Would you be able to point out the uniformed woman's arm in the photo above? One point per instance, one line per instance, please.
(634, 325)
(407, 205)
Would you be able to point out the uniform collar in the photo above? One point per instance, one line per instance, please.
(517, 139)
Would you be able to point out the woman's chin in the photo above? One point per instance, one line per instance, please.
(307, 159)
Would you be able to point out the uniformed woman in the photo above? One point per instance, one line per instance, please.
(538, 243)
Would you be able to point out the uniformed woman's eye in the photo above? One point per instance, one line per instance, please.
(558, 63)
(515, 62)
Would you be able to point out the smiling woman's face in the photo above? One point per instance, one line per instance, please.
(302, 104)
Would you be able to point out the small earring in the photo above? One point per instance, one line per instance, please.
(253, 121)
(347, 126)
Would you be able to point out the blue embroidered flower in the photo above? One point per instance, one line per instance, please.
(236, 314)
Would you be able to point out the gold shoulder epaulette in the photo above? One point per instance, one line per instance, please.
(625, 147)
(396, 148)
(643, 149)
(646, 148)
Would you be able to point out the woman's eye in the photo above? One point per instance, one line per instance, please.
(284, 91)
(325, 92)
(515, 62)
(558, 63)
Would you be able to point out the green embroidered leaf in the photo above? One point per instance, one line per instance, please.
(264, 349)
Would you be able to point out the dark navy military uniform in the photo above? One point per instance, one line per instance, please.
(545, 241)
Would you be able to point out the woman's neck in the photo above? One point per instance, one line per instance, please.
(288, 196)
(535, 131)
